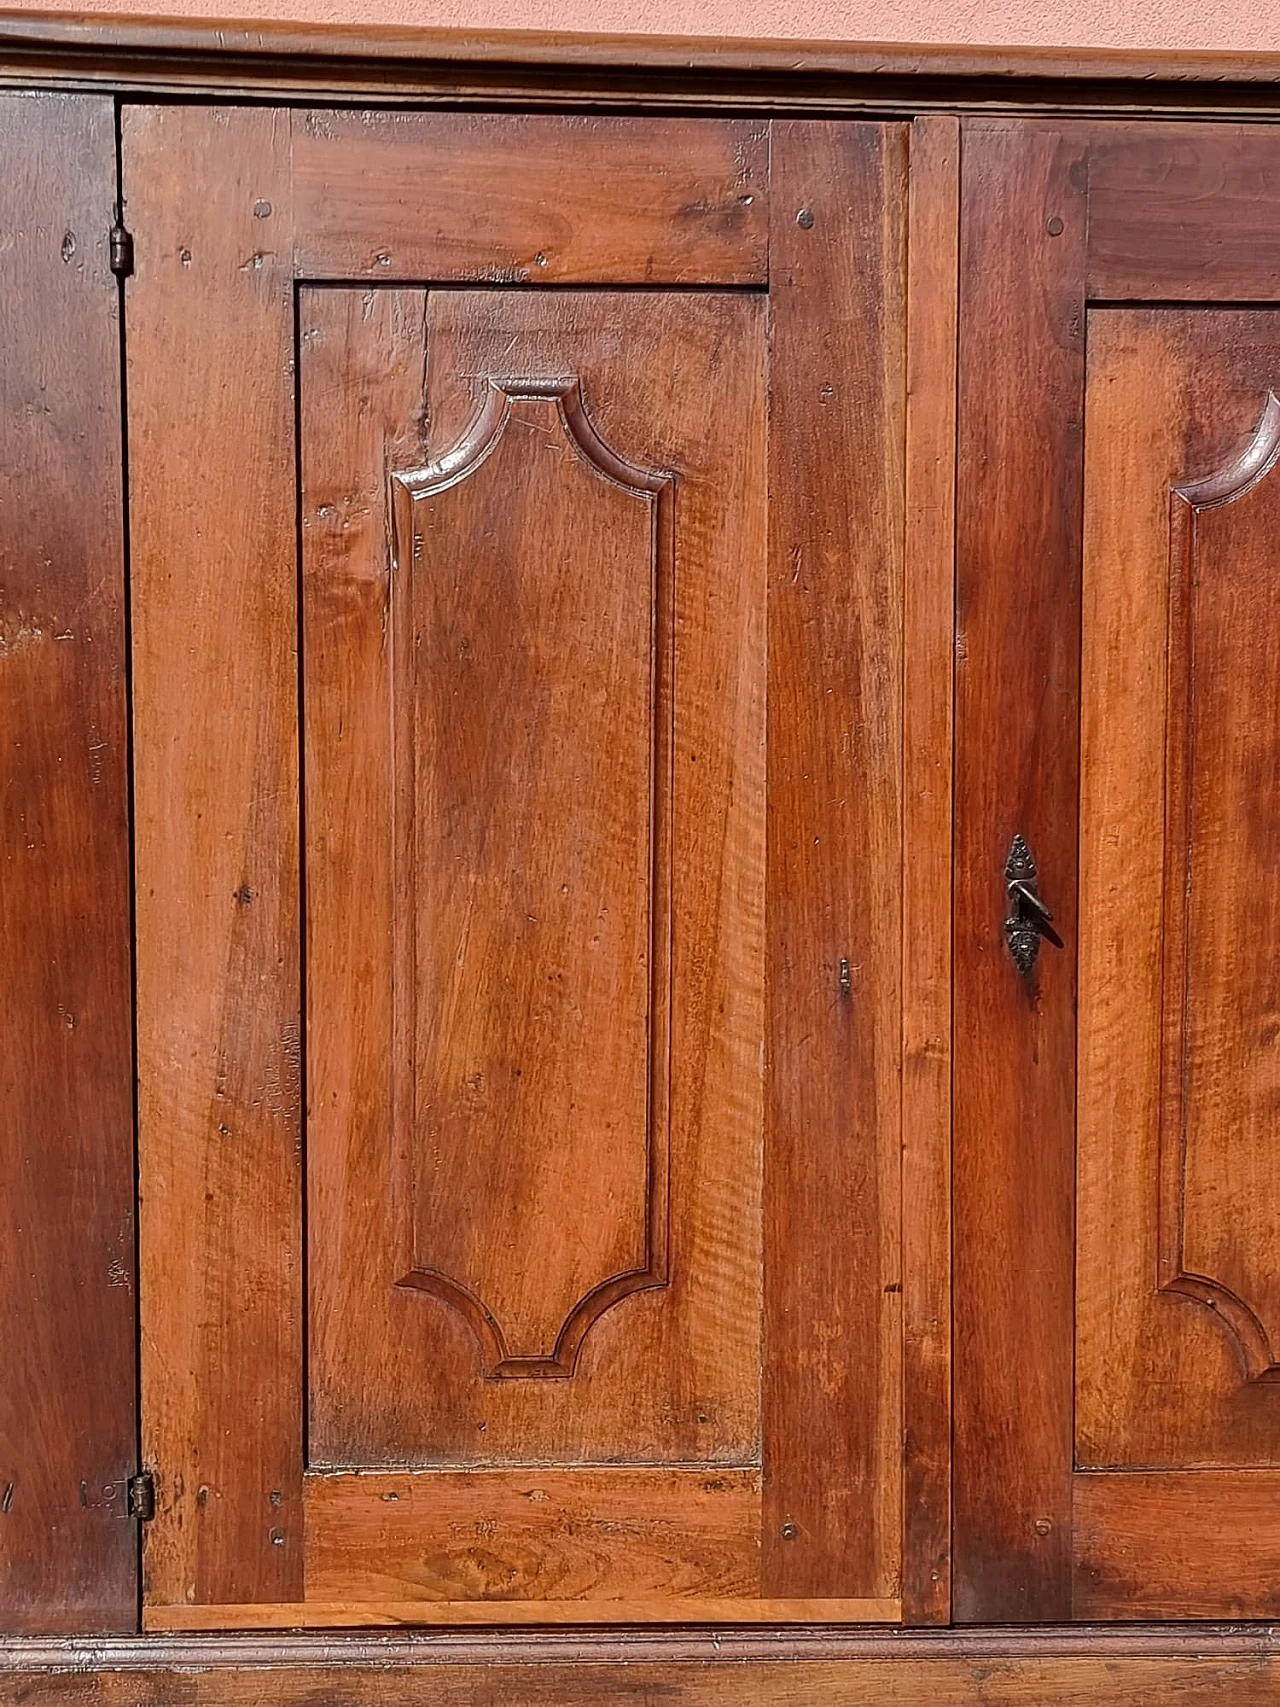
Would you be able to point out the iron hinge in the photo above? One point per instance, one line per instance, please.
(142, 1496)
(121, 251)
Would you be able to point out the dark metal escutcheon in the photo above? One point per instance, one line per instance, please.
(1028, 918)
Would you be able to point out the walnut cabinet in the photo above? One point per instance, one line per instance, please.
(640, 872)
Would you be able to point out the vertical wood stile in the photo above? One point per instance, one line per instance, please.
(68, 1556)
(211, 440)
(1018, 520)
(832, 1366)
(928, 621)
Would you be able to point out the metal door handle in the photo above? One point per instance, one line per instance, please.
(1028, 918)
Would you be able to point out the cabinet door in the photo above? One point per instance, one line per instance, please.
(518, 744)
(68, 1408)
(1118, 1177)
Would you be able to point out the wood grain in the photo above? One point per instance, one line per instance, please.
(832, 1373)
(1184, 212)
(690, 1645)
(389, 381)
(533, 761)
(215, 675)
(68, 1557)
(687, 1646)
(1219, 1189)
(586, 1535)
(1174, 1202)
(338, 1615)
(664, 1376)
(1117, 1665)
(398, 63)
(513, 199)
(1134, 448)
(1188, 1544)
(928, 627)
(1194, 1666)
(528, 748)
(1017, 757)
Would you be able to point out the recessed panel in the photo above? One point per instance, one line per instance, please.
(1178, 1233)
(531, 620)
(1220, 1113)
(533, 560)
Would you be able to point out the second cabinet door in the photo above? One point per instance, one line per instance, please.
(1117, 1174)
(516, 538)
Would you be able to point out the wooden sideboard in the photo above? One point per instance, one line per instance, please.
(640, 869)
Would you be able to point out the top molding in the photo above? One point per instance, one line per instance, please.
(298, 61)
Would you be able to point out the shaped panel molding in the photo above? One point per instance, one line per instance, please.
(1219, 1208)
(532, 659)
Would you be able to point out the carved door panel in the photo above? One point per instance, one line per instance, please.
(1178, 1243)
(518, 793)
(1139, 1211)
(519, 1125)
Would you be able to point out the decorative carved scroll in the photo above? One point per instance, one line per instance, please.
(1215, 896)
(532, 654)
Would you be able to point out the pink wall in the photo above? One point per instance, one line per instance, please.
(1241, 25)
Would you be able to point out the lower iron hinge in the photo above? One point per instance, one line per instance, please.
(142, 1496)
(121, 251)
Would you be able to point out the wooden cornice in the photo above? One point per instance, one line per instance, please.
(299, 61)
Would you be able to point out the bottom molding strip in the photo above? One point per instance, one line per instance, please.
(699, 1644)
(1199, 1666)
